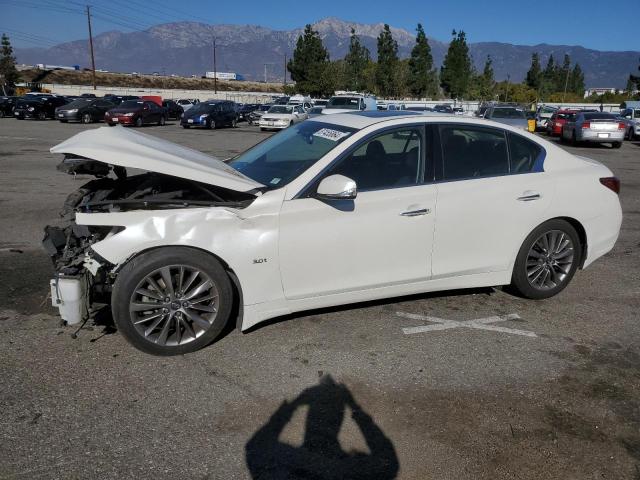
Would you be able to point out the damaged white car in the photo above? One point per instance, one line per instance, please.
(334, 210)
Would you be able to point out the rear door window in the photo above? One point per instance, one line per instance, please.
(473, 152)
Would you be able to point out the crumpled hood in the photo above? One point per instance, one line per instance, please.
(126, 148)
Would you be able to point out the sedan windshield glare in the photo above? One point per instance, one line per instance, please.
(282, 157)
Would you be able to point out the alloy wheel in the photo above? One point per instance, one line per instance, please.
(549, 260)
(86, 118)
(174, 305)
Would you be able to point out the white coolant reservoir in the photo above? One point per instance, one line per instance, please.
(69, 294)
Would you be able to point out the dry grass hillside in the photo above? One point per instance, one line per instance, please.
(70, 77)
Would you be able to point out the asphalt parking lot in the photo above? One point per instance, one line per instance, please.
(345, 392)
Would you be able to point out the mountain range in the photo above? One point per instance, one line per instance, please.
(186, 48)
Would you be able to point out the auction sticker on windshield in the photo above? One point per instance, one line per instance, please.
(330, 134)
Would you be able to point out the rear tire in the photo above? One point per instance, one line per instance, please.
(543, 268)
(172, 328)
(64, 121)
(616, 144)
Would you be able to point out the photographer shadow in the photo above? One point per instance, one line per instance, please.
(320, 457)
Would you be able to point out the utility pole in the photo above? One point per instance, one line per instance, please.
(285, 69)
(265, 73)
(93, 61)
(215, 71)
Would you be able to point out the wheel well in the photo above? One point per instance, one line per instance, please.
(235, 282)
(582, 235)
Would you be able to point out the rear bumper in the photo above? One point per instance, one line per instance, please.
(598, 137)
(602, 233)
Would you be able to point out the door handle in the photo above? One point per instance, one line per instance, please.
(416, 213)
(529, 196)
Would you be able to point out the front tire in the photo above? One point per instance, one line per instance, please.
(86, 118)
(161, 122)
(172, 301)
(547, 260)
(139, 122)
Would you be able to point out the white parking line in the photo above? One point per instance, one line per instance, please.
(478, 324)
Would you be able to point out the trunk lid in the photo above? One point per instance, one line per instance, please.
(126, 148)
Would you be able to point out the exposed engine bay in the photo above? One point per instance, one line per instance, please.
(113, 190)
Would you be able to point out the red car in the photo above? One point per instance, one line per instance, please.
(557, 120)
(137, 113)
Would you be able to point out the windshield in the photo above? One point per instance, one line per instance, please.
(281, 109)
(202, 108)
(28, 101)
(131, 104)
(507, 113)
(599, 116)
(81, 102)
(284, 156)
(348, 103)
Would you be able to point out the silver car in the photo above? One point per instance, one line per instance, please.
(512, 116)
(594, 127)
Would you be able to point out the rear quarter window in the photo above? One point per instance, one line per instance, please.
(524, 154)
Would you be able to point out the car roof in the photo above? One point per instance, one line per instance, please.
(360, 120)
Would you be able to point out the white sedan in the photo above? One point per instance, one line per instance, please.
(338, 209)
(282, 116)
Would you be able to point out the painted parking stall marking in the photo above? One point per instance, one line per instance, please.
(438, 324)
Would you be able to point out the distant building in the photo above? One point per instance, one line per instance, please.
(599, 91)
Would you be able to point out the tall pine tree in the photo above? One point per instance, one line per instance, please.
(310, 59)
(456, 71)
(422, 79)
(576, 80)
(387, 64)
(8, 73)
(356, 61)
(534, 75)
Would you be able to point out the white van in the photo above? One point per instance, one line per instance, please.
(347, 103)
(301, 100)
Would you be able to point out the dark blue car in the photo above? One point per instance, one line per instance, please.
(211, 114)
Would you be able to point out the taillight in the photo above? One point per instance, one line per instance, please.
(612, 183)
(586, 125)
(621, 126)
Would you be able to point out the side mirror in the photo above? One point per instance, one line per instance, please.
(337, 187)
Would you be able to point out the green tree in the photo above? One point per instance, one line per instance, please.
(422, 78)
(534, 75)
(387, 64)
(310, 59)
(9, 75)
(485, 81)
(456, 71)
(356, 62)
(562, 75)
(576, 81)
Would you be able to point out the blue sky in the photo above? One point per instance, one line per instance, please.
(589, 23)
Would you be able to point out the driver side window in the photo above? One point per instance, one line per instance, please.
(390, 160)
